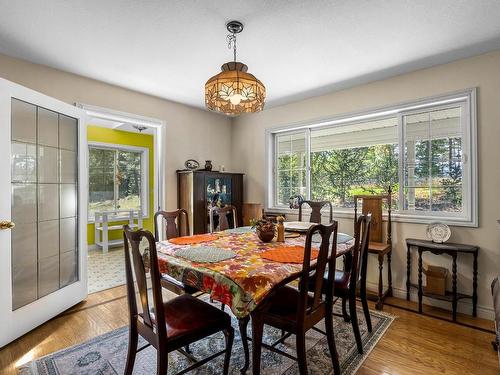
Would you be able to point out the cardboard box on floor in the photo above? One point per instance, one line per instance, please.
(436, 280)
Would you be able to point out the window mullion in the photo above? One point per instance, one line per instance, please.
(115, 175)
(274, 198)
(430, 160)
(308, 163)
(401, 162)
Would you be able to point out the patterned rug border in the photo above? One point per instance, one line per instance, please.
(369, 343)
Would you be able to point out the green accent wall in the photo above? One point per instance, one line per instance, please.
(119, 137)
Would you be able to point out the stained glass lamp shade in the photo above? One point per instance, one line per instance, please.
(234, 91)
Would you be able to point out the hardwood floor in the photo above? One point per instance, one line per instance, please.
(414, 344)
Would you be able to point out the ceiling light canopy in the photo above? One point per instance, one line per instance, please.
(234, 91)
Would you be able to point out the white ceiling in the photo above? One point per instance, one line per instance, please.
(298, 49)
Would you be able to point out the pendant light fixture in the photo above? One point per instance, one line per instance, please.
(233, 90)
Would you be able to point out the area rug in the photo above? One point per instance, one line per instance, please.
(106, 354)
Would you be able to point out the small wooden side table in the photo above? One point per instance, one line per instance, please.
(442, 248)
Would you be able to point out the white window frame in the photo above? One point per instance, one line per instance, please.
(144, 169)
(467, 98)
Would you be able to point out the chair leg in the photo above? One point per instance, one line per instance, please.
(346, 316)
(133, 338)
(257, 332)
(161, 361)
(300, 343)
(366, 310)
(331, 341)
(354, 322)
(187, 349)
(229, 334)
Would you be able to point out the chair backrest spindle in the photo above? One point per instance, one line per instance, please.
(316, 210)
(373, 204)
(176, 223)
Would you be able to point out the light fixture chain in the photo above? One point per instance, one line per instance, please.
(231, 43)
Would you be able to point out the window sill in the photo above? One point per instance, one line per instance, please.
(396, 217)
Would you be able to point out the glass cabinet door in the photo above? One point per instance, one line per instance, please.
(44, 201)
(218, 190)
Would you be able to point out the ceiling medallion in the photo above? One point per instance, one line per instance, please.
(234, 91)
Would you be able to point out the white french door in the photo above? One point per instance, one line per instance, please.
(43, 257)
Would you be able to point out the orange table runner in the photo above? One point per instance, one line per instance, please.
(288, 254)
(191, 240)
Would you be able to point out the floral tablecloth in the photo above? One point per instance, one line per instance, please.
(241, 282)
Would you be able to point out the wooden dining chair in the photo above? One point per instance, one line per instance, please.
(378, 245)
(347, 282)
(222, 214)
(272, 216)
(170, 325)
(316, 207)
(296, 311)
(176, 225)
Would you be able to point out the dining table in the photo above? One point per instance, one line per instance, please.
(242, 281)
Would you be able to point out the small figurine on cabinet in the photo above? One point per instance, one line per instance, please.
(208, 165)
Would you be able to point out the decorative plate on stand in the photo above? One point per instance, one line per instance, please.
(438, 232)
(191, 164)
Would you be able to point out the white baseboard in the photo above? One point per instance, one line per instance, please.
(464, 306)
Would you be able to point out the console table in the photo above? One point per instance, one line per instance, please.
(452, 250)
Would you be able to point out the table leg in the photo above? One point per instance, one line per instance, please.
(243, 323)
(379, 304)
(474, 286)
(454, 287)
(408, 272)
(420, 291)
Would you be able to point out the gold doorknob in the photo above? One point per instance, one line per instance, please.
(6, 224)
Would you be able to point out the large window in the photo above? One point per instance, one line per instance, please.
(117, 177)
(423, 151)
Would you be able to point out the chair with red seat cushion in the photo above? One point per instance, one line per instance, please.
(169, 325)
(176, 225)
(296, 311)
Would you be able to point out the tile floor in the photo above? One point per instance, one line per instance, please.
(105, 270)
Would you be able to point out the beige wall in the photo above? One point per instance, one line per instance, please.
(190, 133)
(248, 142)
